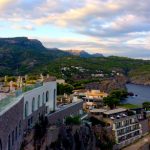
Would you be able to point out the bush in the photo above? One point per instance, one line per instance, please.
(73, 120)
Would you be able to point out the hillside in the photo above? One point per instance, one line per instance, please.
(77, 68)
(21, 55)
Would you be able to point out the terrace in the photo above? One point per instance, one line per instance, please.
(8, 99)
(12, 91)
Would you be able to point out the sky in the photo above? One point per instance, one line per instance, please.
(110, 27)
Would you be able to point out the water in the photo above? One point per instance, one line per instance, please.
(142, 92)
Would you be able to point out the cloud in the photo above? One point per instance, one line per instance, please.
(4, 4)
(23, 27)
(111, 26)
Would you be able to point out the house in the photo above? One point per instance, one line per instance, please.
(127, 125)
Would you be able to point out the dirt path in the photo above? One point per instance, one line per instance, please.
(140, 143)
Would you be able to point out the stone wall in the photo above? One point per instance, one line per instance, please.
(60, 115)
(10, 123)
(30, 121)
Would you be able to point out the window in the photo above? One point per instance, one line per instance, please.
(20, 127)
(28, 122)
(26, 109)
(33, 104)
(31, 120)
(13, 135)
(16, 134)
(38, 101)
(9, 143)
(47, 96)
(0, 144)
(43, 99)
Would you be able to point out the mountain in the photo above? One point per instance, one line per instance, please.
(97, 55)
(84, 54)
(20, 55)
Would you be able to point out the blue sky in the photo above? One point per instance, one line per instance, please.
(111, 27)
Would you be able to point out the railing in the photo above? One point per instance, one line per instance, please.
(13, 98)
(6, 102)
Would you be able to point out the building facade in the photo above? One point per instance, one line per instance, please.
(11, 127)
(127, 130)
(20, 112)
(127, 125)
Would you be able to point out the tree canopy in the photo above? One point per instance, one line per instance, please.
(64, 88)
(146, 105)
(114, 98)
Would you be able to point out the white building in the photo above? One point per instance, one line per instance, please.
(44, 94)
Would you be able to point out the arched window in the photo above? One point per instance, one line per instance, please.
(19, 127)
(16, 133)
(54, 99)
(0, 144)
(33, 104)
(26, 108)
(47, 96)
(9, 142)
(38, 101)
(43, 98)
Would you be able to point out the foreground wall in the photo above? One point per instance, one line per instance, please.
(11, 127)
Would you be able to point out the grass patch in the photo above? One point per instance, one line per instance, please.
(129, 106)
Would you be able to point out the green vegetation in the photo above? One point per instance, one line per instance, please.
(129, 106)
(64, 88)
(119, 94)
(75, 120)
(146, 105)
(114, 98)
(23, 56)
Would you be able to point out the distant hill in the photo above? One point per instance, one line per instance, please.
(84, 54)
(20, 55)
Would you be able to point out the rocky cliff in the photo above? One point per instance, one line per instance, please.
(113, 83)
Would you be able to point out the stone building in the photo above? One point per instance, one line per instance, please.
(21, 110)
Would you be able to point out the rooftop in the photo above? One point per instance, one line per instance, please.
(98, 110)
(114, 111)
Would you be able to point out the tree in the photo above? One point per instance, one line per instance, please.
(120, 94)
(111, 101)
(114, 98)
(64, 88)
(73, 120)
(146, 105)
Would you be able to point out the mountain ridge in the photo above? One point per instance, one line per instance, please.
(84, 54)
(20, 56)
